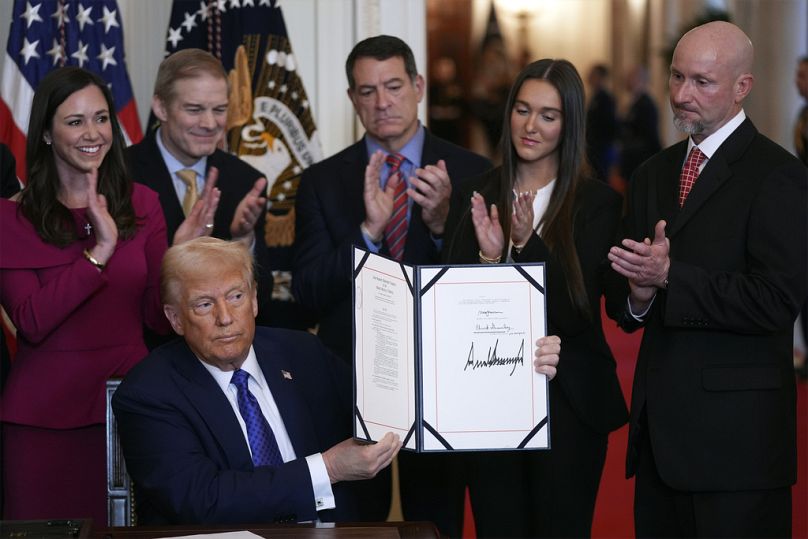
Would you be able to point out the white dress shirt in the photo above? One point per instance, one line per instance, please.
(323, 494)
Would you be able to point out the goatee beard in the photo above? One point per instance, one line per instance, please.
(687, 127)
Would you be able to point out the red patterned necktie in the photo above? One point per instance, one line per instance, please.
(396, 231)
(689, 173)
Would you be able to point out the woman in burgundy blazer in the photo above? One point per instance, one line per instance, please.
(79, 276)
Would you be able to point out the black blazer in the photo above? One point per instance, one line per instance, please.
(330, 207)
(9, 184)
(236, 178)
(186, 452)
(714, 373)
(586, 370)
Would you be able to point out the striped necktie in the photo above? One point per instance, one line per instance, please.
(396, 231)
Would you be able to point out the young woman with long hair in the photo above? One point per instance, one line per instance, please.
(541, 205)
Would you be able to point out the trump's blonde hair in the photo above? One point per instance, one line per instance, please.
(197, 257)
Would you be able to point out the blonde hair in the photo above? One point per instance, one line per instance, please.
(197, 256)
(185, 64)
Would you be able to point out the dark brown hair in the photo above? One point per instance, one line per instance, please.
(558, 220)
(381, 48)
(39, 201)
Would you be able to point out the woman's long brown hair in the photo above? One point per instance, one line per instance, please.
(558, 220)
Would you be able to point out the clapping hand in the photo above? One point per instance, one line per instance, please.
(487, 228)
(522, 219)
(431, 189)
(104, 227)
(248, 211)
(645, 264)
(200, 221)
(378, 201)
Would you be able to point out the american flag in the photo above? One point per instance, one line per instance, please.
(46, 34)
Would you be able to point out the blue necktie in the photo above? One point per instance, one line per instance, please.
(265, 451)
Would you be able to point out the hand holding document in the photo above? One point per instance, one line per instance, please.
(444, 355)
(548, 350)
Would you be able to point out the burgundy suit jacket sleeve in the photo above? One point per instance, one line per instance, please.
(155, 246)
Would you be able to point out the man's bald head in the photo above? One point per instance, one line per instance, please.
(731, 46)
(711, 75)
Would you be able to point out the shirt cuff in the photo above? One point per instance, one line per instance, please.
(320, 482)
(639, 317)
(372, 246)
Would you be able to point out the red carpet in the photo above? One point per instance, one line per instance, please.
(613, 511)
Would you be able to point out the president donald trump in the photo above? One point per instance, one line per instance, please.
(230, 424)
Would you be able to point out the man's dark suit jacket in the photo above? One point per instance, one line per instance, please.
(714, 373)
(330, 207)
(236, 178)
(186, 452)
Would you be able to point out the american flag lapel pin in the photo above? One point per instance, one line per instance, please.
(286, 374)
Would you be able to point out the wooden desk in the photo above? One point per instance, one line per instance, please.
(41, 529)
(361, 530)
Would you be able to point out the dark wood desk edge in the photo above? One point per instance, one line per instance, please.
(406, 530)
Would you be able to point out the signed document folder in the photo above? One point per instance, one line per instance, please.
(443, 355)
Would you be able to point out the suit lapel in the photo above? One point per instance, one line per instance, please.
(716, 172)
(206, 396)
(280, 376)
(157, 177)
(667, 196)
(352, 180)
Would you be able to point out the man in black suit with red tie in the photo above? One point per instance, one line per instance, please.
(387, 191)
(712, 437)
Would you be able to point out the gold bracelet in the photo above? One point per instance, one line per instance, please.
(485, 260)
(92, 260)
